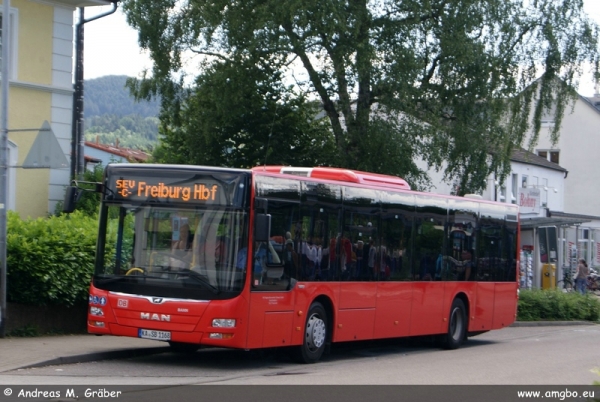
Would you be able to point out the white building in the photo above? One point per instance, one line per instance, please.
(577, 150)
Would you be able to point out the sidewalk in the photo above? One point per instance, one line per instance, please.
(67, 349)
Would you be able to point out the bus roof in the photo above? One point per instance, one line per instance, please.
(338, 174)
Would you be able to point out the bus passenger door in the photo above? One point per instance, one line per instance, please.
(274, 264)
(270, 321)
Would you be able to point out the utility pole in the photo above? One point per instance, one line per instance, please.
(77, 137)
(4, 160)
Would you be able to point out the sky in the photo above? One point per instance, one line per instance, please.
(111, 46)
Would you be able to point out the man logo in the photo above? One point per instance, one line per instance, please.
(157, 300)
(155, 317)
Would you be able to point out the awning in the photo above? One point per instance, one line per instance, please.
(530, 223)
(556, 218)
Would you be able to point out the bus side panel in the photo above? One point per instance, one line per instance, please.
(263, 304)
(505, 311)
(356, 313)
(428, 308)
(392, 319)
(358, 295)
(354, 325)
(277, 330)
(483, 311)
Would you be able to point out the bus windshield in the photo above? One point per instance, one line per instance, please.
(171, 252)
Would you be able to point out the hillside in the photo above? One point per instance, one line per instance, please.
(111, 113)
(108, 95)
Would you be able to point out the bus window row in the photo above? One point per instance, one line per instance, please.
(337, 233)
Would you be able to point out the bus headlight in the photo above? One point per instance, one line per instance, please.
(96, 311)
(223, 323)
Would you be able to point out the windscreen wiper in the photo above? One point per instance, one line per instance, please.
(199, 277)
(123, 278)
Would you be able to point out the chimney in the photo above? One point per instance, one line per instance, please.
(117, 143)
(97, 139)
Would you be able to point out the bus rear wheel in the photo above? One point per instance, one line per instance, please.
(457, 326)
(315, 335)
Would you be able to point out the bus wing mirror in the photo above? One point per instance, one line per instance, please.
(262, 227)
(260, 204)
(72, 195)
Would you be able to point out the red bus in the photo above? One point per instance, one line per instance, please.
(295, 257)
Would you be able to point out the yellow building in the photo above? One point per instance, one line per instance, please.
(40, 89)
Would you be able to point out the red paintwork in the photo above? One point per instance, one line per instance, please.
(344, 175)
(362, 311)
(358, 310)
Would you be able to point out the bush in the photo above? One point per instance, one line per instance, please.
(50, 260)
(555, 305)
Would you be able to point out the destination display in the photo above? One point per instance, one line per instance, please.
(179, 187)
(129, 188)
(172, 184)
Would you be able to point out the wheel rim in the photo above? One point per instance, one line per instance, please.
(456, 324)
(315, 333)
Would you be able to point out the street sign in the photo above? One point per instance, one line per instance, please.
(45, 151)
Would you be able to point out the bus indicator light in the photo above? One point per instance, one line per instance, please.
(217, 335)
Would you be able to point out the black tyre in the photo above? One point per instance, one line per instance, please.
(182, 347)
(565, 286)
(457, 326)
(315, 335)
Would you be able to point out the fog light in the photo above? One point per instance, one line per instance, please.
(99, 324)
(96, 311)
(216, 335)
(223, 323)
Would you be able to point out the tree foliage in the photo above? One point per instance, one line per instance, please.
(240, 115)
(445, 81)
(131, 131)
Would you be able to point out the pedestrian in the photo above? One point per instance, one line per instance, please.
(581, 276)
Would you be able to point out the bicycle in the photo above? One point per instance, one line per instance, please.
(593, 282)
(566, 283)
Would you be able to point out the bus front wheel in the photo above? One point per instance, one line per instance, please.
(457, 326)
(315, 335)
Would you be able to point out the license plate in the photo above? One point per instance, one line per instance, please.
(152, 334)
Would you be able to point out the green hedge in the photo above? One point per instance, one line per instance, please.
(50, 260)
(555, 305)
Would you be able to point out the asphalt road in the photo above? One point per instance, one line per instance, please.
(517, 355)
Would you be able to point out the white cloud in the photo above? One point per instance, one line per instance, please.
(111, 46)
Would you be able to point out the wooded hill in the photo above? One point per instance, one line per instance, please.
(111, 113)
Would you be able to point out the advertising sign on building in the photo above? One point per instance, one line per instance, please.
(529, 200)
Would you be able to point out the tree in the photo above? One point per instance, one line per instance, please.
(240, 115)
(447, 81)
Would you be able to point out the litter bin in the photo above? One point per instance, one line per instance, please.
(548, 276)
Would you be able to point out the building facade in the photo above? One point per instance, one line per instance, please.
(40, 90)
